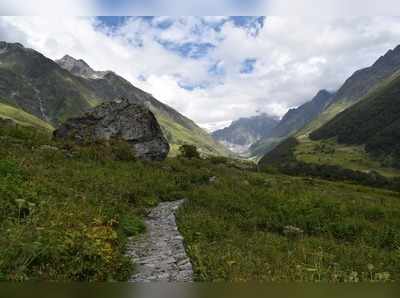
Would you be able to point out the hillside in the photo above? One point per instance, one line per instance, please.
(21, 117)
(358, 131)
(66, 212)
(373, 122)
(359, 85)
(37, 85)
(291, 122)
(245, 131)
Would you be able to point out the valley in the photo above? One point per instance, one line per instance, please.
(102, 182)
(67, 212)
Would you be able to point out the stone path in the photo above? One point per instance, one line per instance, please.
(160, 255)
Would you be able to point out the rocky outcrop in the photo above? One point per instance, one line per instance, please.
(122, 120)
(79, 68)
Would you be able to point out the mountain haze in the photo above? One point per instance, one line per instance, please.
(291, 122)
(245, 131)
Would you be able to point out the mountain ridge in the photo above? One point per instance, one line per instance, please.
(357, 86)
(38, 85)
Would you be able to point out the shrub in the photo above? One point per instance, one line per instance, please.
(218, 160)
(9, 168)
(103, 151)
(188, 151)
(132, 225)
(122, 151)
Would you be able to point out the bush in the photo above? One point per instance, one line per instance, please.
(132, 225)
(116, 150)
(122, 151)
(216, 160)
(9, 168)
(188, 151)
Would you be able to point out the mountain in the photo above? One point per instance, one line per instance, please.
(357, 86)
(37, 85)
(245, 131)
(373, 122)
(55, 92)
(292, 121)
(359, 130)
(177, 128)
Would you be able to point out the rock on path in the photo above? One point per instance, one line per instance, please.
(160, 255)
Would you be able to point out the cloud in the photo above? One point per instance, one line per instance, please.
(216, 69)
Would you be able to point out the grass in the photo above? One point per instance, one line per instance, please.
(21, 117)
(66, 213)
(255, 227)
(329, 152)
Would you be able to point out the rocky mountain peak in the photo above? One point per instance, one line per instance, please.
(245, 131)
(392, 57)
(78, 67)
(323, 93)
(5, 46)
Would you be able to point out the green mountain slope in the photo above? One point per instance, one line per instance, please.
(359, 134)
(373, 122)
(39, 86)
(357, 86)
(21, 117)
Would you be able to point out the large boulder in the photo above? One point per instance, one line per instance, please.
(122, 120)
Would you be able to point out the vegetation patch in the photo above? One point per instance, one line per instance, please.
(66, 212)
(329, 152)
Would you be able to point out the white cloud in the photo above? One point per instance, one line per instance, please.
(295, 57)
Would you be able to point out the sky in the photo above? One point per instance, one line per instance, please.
(214, 69)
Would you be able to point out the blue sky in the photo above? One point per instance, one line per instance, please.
(216, 69)
(190, 49)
